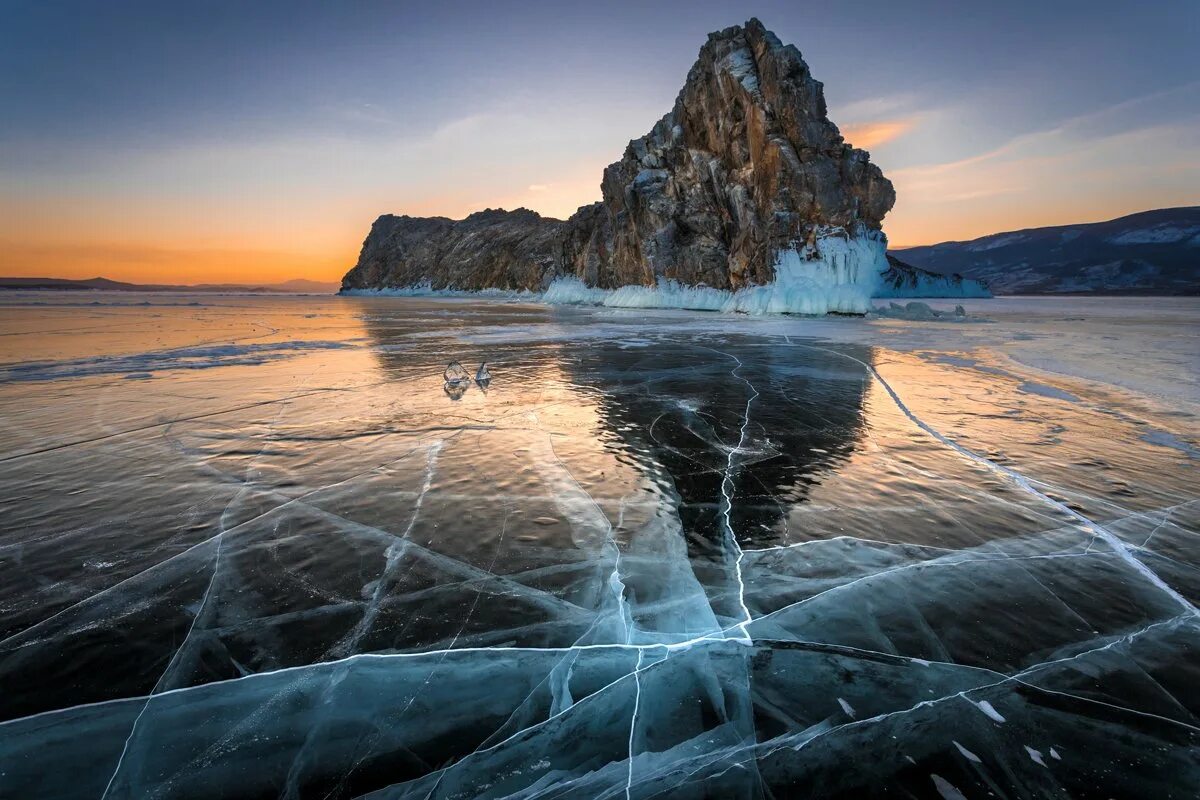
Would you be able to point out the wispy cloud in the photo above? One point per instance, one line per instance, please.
(891, 105)
(1052, 177)
(1082, 127)
(872, 134)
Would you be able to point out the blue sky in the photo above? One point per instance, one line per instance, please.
(198, 141)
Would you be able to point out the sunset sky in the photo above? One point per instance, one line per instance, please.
(228, 141)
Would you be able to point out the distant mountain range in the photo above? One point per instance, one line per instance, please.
(1153, 252)
(297, 286)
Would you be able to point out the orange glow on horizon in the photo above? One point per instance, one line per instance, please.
(273, 236)
(165, 261)
(160, 264)
(249, 240)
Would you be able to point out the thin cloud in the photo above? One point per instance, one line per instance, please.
(1066, 127)
(876, 107)
(871, 134)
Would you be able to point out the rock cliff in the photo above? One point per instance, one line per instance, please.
(489, 249)
(745, 183)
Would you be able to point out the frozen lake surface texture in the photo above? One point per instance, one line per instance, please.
(255, 548)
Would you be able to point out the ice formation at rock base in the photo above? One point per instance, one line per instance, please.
(840, 273)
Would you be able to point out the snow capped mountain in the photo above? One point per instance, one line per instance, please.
(1153, 252)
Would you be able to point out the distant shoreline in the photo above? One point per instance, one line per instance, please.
(261, 290)
(181, 290)
(39, 284)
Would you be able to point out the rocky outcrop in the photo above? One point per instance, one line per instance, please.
(747, 164)
(489, 249)
(746, 173)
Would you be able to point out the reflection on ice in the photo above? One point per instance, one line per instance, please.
(652, 561)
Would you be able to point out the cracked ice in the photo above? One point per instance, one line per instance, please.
(728, 561)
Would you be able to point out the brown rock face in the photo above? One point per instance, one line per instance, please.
(495, 248)
(745, 165)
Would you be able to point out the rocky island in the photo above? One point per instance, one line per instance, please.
(745, 197)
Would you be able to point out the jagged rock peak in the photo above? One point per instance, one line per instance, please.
(744, 170)
(745, 165)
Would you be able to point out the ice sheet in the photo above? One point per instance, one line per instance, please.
(660, 554)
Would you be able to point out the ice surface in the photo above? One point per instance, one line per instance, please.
(667, 555)
(143, 365)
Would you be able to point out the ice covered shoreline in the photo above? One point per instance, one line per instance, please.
(838, 274)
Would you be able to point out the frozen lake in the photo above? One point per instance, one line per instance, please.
(252, 547)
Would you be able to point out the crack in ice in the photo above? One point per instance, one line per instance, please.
(945, 561)
(204, 600)
(394, 552)
(727, 492)
(637, 701)
(1026, 484)
(470, 612)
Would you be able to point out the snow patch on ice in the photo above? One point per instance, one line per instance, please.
(946, 789)
(967, 754)
(846, 707)
(991, 712)
(1036, 755)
